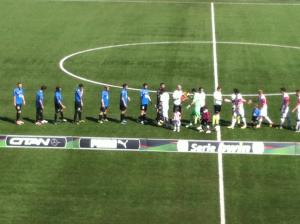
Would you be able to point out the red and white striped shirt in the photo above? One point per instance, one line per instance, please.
(285, 100)
(262, 100)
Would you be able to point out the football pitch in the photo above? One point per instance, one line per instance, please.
(116, 42)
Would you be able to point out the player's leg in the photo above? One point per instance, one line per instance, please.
(284, 113)
(298, 122)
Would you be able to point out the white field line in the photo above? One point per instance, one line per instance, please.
(181, 2)
(219, 137)
(62, 61)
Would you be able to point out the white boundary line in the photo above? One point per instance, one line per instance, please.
(219, 137)
(181, 2)
(67, 72)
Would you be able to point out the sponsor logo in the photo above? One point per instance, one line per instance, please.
(203, 147)
(36, 142)
(242, 147)
(95, 143)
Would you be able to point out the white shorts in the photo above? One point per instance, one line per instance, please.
(239, 112)
(285, 112)
(298, 115)
(264, 111)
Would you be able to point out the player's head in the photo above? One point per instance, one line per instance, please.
(58, 89)
(43, 87)
(282, 89)
(162, 85)
(298, 92)
(19, 85)
(179, 87)
(193, 90)
(219, 88)
(205, 109)
(201, 89)
(80, 86)
(145, 85)
(125, 86)
(236, 91)
(260, 92)
(106, 88)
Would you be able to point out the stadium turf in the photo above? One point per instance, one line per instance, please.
(37, 34)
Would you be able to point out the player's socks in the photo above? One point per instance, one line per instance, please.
(55, 117)
(214, 120)
(100, 117)
(269, 120)
(217, 119)
(18, 116)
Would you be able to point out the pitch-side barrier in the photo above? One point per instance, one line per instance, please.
(150, 145)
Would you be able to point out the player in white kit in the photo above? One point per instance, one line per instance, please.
(297, 110)
(285, 108)
(238, 109)
(164, 99)
(263, 106)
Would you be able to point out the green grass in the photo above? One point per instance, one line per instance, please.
(108, 187)
(37, 34)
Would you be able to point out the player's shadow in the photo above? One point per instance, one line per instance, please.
(7, 119)
(29, 120)
(110, 119)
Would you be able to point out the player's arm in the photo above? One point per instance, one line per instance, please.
(15, 104)
(295, 108)
(24, 101)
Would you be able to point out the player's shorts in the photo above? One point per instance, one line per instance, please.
(298, 115)
(264, 111)
(284, 112)
(217, 108)
(239, 112)
(19, 108)
(177, 108)
(123, 107)
(58, 108)
(103, 109)
(78, 106)
(144, 107)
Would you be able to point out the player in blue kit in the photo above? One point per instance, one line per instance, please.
(124, 100)
(145, 100)
(39, 102)
(104, 105)
(19, 101)
(78, 104)
(58, 105)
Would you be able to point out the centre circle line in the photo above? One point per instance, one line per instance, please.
(66, 58)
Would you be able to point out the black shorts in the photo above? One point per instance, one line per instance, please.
(18, 107)
(58, 108)
(144, 107)
(176, 108)
(123, 107)
(78, 106)
(103, 109)
(217, 108)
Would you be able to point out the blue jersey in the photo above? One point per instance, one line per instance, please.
(39, 100)
(57, 97)
(144, 94)
(124, 96)
(256, 112)
(105, 98)
(78, 96)
(19, 94)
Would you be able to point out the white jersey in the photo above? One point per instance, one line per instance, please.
(218, 98)
(164, 99)
(202, 97)
(177, 94)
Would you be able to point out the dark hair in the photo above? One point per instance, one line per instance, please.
(236, 91)
(145, 84)
(57, 88)
(193, 90)
(80, 85)
(43, 87)
(219, 87)
(283, 89)
(298, 91)
(124, 85)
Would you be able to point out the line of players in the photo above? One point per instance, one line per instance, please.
(200, 114)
